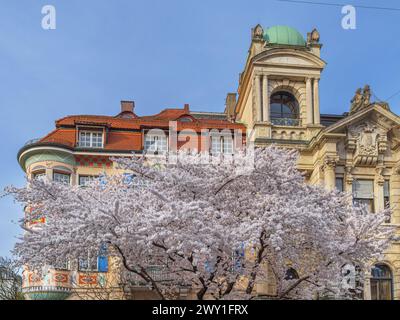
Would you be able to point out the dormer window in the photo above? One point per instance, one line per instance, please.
(90, 139)
(185, 119)
(155, 143)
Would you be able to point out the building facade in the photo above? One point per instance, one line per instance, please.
(277, 102)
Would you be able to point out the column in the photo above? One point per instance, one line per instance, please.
(316, 102)
(258, 98)
(379, 203)
(394, 183)
(265, 95)
(309, 109)
(49, 172)
(330, 176)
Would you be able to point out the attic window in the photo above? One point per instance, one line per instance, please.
(185, 119)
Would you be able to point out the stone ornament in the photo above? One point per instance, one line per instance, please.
(258, 32)
(368, 141)
(313, 37)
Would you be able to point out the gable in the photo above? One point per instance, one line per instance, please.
(289, 58)
(375, 114)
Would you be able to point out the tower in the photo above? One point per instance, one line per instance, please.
(278, 93)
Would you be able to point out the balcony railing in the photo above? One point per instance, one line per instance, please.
(157, 273)
(286, 122)
(32, 141)
(52, 140)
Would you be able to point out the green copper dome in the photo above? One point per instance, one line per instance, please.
(284, 35)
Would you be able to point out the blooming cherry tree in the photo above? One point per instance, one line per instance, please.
(217, 225)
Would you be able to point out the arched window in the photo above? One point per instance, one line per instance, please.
(291, 274)
(284, 109)
(381, 283)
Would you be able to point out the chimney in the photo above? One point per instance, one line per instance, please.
(127, 106)
(230, 104)
(186, 108)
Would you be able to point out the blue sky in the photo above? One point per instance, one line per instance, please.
(164, 54)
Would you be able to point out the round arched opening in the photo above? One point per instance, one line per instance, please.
(284, 109)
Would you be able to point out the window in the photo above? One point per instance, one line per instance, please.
(63, 265)
(363, 193)
(386, 194)
(221, 144)
(381, 283)
(91, 262)
(339, 184)
(284, 109)
(90, 139)
(85, 180)
(61, 177)
(88, 263)
(155, 143)
(291, 274)
(386, 197)
(39, 175)
(185, 119)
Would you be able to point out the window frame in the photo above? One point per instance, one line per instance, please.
(61, 173)
(38, 173)
(222, 144)
(369, 201)
(92, 177)
(380, 280)
(282, 116)
(159, 142)
(91, 134)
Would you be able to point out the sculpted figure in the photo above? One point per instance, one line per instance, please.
(356, 101)
(315, 36)
(367, 96)
(258, 32)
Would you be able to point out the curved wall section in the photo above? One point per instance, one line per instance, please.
(43, 154)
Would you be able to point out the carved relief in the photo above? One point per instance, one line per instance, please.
(368, 141)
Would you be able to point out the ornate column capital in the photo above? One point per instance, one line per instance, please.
(330, 162)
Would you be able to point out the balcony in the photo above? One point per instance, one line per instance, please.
(46, 292)
(290, 122)
(48, 141)
(157, 273)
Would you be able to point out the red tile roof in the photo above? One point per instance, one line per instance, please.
(125, 133)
